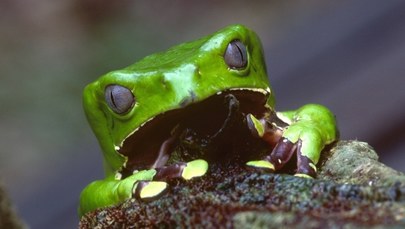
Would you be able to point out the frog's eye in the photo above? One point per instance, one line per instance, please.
(120, 99)
(235, 55)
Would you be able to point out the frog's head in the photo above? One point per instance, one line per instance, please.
(132, 111)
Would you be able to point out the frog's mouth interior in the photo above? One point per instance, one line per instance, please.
(143, 147)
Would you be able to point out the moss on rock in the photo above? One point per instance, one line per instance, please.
(356, 162)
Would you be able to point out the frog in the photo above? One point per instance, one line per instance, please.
(213, 92)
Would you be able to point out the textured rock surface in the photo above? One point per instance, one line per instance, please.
(346, 193)
(356, 162)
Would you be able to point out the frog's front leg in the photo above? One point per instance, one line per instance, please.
(111, 191)
(144, 184)
(305, 131)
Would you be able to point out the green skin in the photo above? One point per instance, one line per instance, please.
(188, 74)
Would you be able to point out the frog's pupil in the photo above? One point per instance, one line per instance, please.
(241, 53)
(112, 99)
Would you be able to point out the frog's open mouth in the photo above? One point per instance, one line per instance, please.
(151, 145)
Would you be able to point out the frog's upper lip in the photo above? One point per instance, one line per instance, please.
(142, 147)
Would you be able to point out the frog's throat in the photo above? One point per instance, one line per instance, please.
(150, 145)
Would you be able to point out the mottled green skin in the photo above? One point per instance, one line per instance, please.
(185, 74)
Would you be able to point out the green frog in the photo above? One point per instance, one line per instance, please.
(174, 113)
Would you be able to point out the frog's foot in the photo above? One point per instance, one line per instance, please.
(261, 164)
(305, 166)
(196, 168)
(282, 152)
(150, 190)
(303, 175)
(186, 171)
(280, 155)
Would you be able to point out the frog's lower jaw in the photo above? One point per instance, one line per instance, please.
(152, 144)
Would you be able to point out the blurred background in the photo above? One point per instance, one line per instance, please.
(347, 55)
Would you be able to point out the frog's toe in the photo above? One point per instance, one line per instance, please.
(261, 164)
(303, 175)
(255, 126)
(149, 190)
(195, 168)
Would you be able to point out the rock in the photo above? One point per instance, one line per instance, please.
(356, 162)
(8, 218)
(353, 190)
